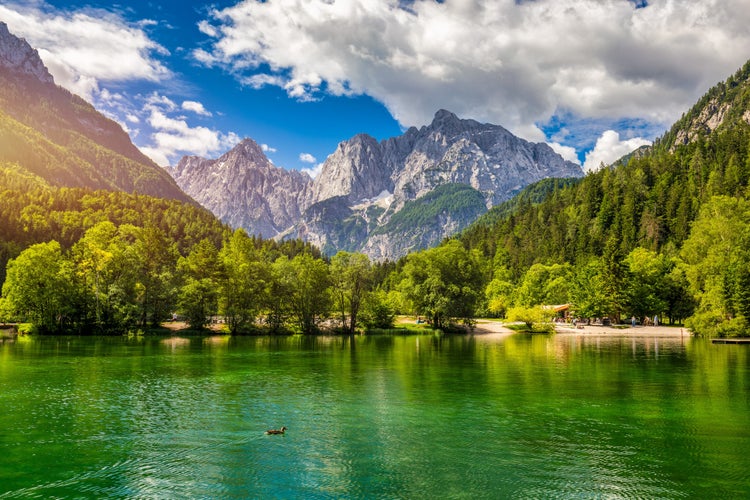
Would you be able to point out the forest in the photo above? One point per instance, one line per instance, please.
(663, 232)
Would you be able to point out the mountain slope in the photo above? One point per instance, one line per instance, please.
(649, 201)
(724, 106)
(47, 131)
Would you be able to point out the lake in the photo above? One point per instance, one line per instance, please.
(565, 416)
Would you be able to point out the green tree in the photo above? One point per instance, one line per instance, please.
(443, 283)
(198, 296)
(679, 302)
(351, 279)
(40, 286)
(377, 311)
(715, 253)
(536, 318)
(245, 279)
(105, 263)
(156, 285)
(303, 283)
(544, 284)
(647, 287)
(499, 292)
(587, 293)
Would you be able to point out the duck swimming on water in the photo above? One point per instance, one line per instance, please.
(276, 431)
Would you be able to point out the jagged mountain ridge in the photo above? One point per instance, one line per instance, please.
(49, 132)
(365, 183)
(244, 189)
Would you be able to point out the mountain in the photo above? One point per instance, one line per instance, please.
(49, 132)
(377, 181)
(383, 198)
(244, 189)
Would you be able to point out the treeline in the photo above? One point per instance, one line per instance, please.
(117, 278)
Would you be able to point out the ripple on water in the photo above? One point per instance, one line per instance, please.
(370, 419)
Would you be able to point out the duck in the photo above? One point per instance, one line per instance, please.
(276, 431)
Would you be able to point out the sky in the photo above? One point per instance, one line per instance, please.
(593, 78)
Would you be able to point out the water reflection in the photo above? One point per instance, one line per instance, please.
(375, 416)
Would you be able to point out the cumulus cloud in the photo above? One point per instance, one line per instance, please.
(314, 171)
(307, 158)
(567, 152)
(267, 149)
(195, 107)
(610, 148)
(77, 48)
(512, 63)
(173, 136)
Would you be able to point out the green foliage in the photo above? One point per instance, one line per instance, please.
(244, 282)
(425, 211)
(351, 278)
(499, 292)
(443, 283)
(105, 263)
(40, 287)
(201, 273)
(301, 289)
(543, 284)
(536, 318)
(377, 311)
(718, 261)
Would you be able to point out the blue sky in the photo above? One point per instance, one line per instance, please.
(593, 78)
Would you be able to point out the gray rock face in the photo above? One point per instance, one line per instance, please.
(365, 183)
(17, 56)
(355, 170)
(486, 157)
(244, 189)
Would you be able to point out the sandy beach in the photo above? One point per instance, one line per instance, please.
(485, 327)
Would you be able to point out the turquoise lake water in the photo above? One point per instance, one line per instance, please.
(375, 417)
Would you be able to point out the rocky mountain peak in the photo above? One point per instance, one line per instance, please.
(244, 189)
(248, 148)
(356, 170)
(19, 57)
(450, 124)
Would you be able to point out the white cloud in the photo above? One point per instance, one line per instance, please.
(195, 107)
(512, 63)
(307, 158)
(567, 152)
(78, 47)
(173, 137)
(609, 148)
(314, 171)
(157, 155)
(267, 149)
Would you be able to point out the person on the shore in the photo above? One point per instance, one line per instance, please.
(632, 321)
